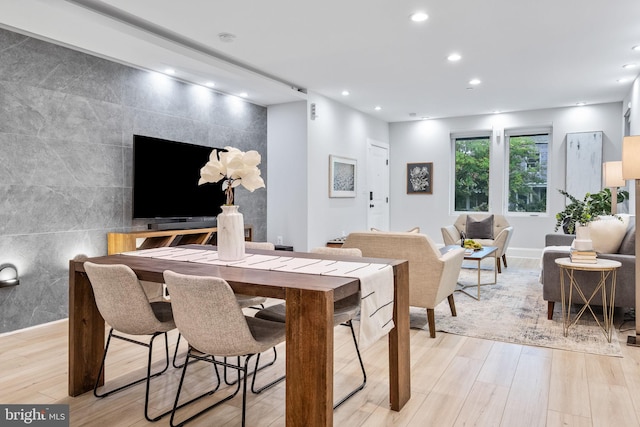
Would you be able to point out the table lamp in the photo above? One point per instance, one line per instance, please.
(631, 170)
(612, 174)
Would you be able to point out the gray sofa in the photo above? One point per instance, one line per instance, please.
(556, 247)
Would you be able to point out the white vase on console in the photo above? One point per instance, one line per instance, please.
(583, 238)
(230, 234)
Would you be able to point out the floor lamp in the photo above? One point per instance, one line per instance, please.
(631, 170)
(612, 173)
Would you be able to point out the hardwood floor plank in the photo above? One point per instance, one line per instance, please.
(484, 406)
(559, 419)
(569, 388)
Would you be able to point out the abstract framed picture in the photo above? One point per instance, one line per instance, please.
(420, 178)
(342, 176)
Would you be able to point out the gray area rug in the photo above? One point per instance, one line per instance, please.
(513, 311)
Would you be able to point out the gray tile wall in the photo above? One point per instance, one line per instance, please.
(66, 126)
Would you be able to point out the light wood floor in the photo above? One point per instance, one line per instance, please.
(456, 381)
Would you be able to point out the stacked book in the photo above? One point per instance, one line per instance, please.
(583, 257)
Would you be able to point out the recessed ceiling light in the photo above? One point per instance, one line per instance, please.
(629, 65)
(454, 57)
(474, 82)
(378, 108)
(636, 47)
(622, 80)
(345, 93)
(209, 84)
(496, 112)
(581, 104)
(425, 118)
(170, 71)
(419, 16)
(244, 94)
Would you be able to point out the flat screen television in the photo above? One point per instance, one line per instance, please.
(165, 181)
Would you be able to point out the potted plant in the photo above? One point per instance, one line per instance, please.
(582, 212)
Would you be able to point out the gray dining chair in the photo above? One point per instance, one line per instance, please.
(207, 314)
(123, 304)
(344, 311)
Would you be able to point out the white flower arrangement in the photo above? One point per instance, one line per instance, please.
(235, 167)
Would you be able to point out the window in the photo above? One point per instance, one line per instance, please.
(528, 160)
(471, 173)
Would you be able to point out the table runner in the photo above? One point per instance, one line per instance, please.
(376, 280)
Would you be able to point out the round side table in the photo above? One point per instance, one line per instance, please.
(607, 269)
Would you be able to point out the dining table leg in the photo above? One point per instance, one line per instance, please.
(309, 365)
(86, 334)
(399, 342)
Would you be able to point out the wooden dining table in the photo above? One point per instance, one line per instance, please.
(309, 325)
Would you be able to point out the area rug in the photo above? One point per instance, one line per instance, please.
(513, 311)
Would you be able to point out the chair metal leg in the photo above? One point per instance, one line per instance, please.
(256, 369)
(275, 357)
(147, 378)
(364, 373)
(242, 375)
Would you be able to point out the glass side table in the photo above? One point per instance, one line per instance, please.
(607, 269)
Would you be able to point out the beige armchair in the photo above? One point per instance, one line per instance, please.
(502, 232)
(432, 276)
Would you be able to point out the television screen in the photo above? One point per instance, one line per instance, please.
(165, 180)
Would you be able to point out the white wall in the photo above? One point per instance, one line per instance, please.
(287, 174)
(429, 141)
(341, 131)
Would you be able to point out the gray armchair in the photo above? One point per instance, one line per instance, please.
(502, 233)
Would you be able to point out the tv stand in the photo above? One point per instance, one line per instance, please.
(135, 240)
(182, 225)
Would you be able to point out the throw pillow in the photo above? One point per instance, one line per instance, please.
(479, 229)
(628, 245)
(606, 234)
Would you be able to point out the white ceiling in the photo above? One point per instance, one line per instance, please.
(529, 54)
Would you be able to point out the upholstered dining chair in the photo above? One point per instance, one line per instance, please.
(207, 314)
(344, 311)
(123, 304)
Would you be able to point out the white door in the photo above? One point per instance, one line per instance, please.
(377, 185)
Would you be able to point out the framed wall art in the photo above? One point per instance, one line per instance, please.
(342, 176)
(420, 178)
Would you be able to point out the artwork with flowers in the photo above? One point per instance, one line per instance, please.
(420, 178)
(342, 177)
(236, 168)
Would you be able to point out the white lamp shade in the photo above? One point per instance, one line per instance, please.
(612, 174)
(631, 157)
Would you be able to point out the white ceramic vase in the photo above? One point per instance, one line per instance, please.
(230, 234)
(583, 238)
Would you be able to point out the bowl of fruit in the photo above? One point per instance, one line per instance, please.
(472, 244)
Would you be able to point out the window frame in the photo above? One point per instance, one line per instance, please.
(528, 131)
(478, 134)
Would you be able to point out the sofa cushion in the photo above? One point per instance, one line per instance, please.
(479, 229)
(628, 245)
(606, 234)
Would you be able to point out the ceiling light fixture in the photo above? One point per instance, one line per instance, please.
(209, 84)
(629, 65)
(170, 71)
(378, 108)
(474, 82)
(622, 80)
(636, 48)
(244, 94)
(345, 93)
(581, 104)
(419, 16)
(454, 57)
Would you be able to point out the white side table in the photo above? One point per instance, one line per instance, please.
(607, 269)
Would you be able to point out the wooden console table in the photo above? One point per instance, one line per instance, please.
(126, 242)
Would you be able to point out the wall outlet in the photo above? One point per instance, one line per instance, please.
(279, 240)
